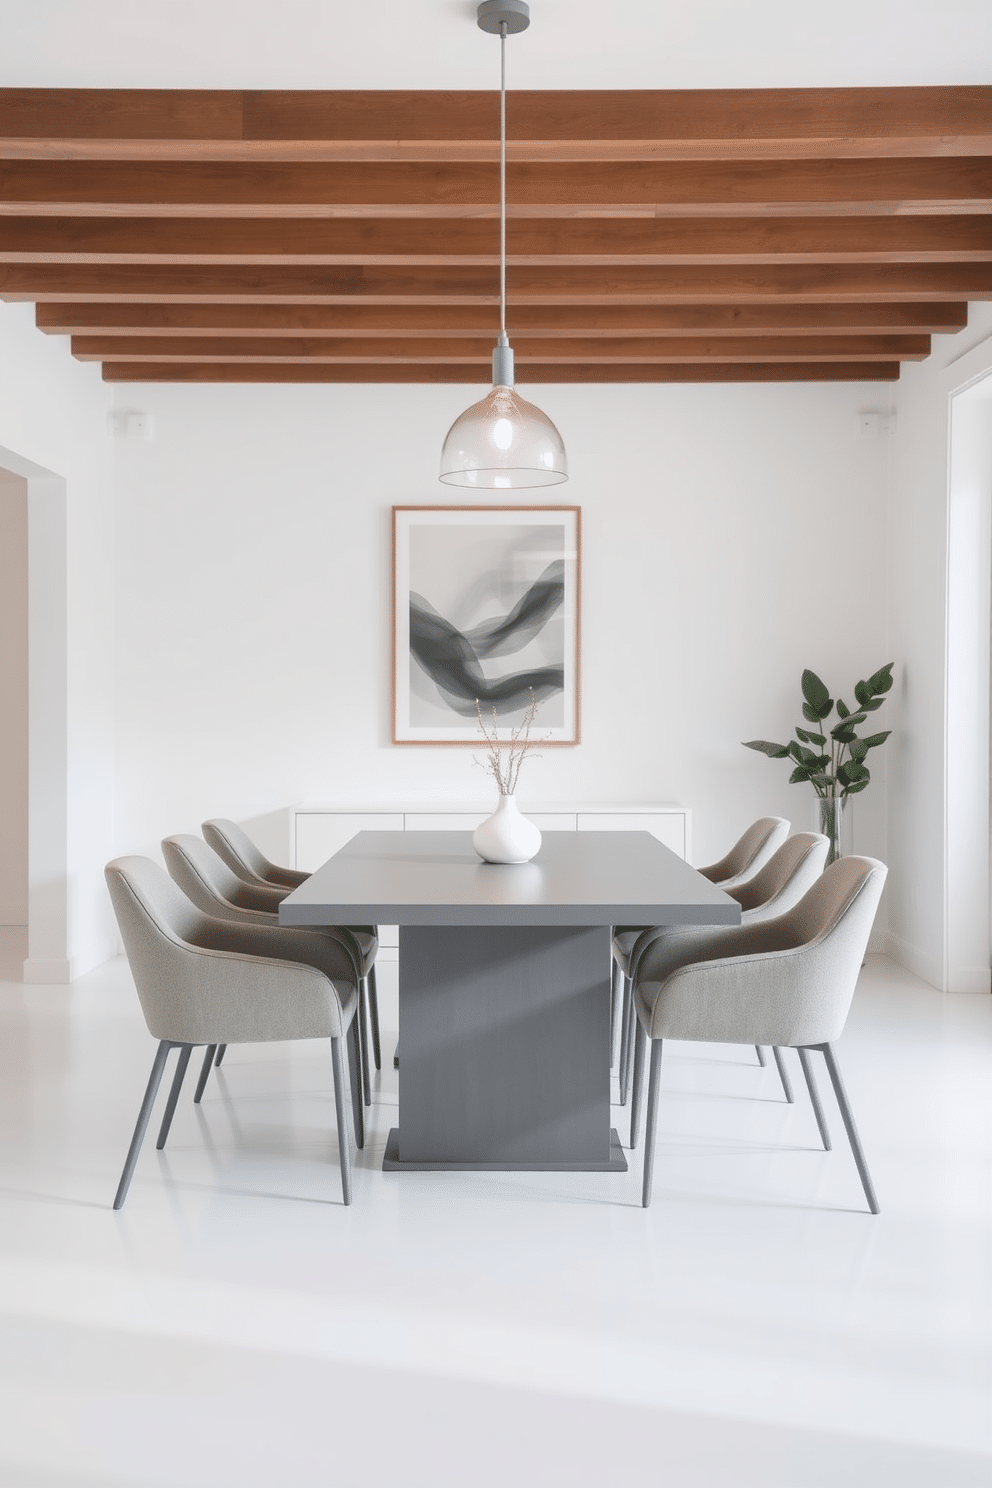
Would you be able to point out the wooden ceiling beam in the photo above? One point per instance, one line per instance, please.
(36, 123)
(363, 372)
(747, 235)
(240, 189)
(478, 350)
(612, 284)
(91, 318)
(465, 241)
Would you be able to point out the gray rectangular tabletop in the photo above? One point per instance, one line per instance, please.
(577, 878)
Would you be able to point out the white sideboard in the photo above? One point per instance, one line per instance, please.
(318, 832)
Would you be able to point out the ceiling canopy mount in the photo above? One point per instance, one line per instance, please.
(513, 14)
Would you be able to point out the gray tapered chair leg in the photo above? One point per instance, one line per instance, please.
(141, 1126)
(762, 1056)
(363, 1048)
(632, 1022)
(654, 1080)
(640, 1044)
(354, 1067)
(626, 1013)
(615, 990)
(852, 1131)
(344, 1156)
(185, 1050)
(783, 1073)
(221, 1051)
(814, 1096)
(374, 1017)
(201, 1083)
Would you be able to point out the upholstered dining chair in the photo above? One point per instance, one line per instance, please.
(215, 890)
(240, 853)
(783, 880)
(249, 863)
(204, 981)
(787, 982)
(750, 852)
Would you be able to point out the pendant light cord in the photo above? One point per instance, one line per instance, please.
(502, 178)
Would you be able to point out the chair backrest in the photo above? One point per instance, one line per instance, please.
(784, 879)
(157, 923)
(213, 887)
(750, 852)
(204, 980)
(833, 920)
(247, 860)
(236, 848)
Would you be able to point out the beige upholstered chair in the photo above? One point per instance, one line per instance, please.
(787, 982)
(205, 981)
(783, 880)
(231, 843)
(212, 886)
(750, 852)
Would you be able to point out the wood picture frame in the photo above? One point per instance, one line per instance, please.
(486, 605)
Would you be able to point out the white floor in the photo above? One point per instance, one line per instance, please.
(235, 1325)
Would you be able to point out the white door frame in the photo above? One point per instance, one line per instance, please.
(967, 821)
(48, 804)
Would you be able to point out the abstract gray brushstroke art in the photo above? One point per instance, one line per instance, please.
(486, 608)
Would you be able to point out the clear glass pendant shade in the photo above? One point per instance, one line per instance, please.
(503, 443)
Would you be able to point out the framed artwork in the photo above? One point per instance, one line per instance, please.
(485, 606)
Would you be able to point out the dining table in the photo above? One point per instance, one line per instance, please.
(505, 984)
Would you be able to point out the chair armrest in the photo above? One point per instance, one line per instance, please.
(325, 951)
(286, 878)
(212, 995)
(659, 953)
(264, 897)
(787, 996)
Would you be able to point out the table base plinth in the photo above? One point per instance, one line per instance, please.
(506, 1046)
(393, 1163)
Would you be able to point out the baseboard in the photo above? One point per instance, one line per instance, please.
(928, 968)
(41, 971)
(969, 979)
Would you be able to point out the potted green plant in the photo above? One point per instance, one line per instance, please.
(832, 761)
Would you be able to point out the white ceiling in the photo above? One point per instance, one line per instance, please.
(435, 44)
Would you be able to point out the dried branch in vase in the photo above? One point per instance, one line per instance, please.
(505, 756)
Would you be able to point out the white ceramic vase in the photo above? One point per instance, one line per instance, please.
(506, 836)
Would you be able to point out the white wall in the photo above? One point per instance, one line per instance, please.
(14, 692)
(53, 432)
(732, 535)
(919, 526)
(435, 44)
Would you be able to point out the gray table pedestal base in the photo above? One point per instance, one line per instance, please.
(392, 1162)
(506, 1050)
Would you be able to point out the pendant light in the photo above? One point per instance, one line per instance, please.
(503, 442)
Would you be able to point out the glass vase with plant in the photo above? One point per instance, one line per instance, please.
(832, 759)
